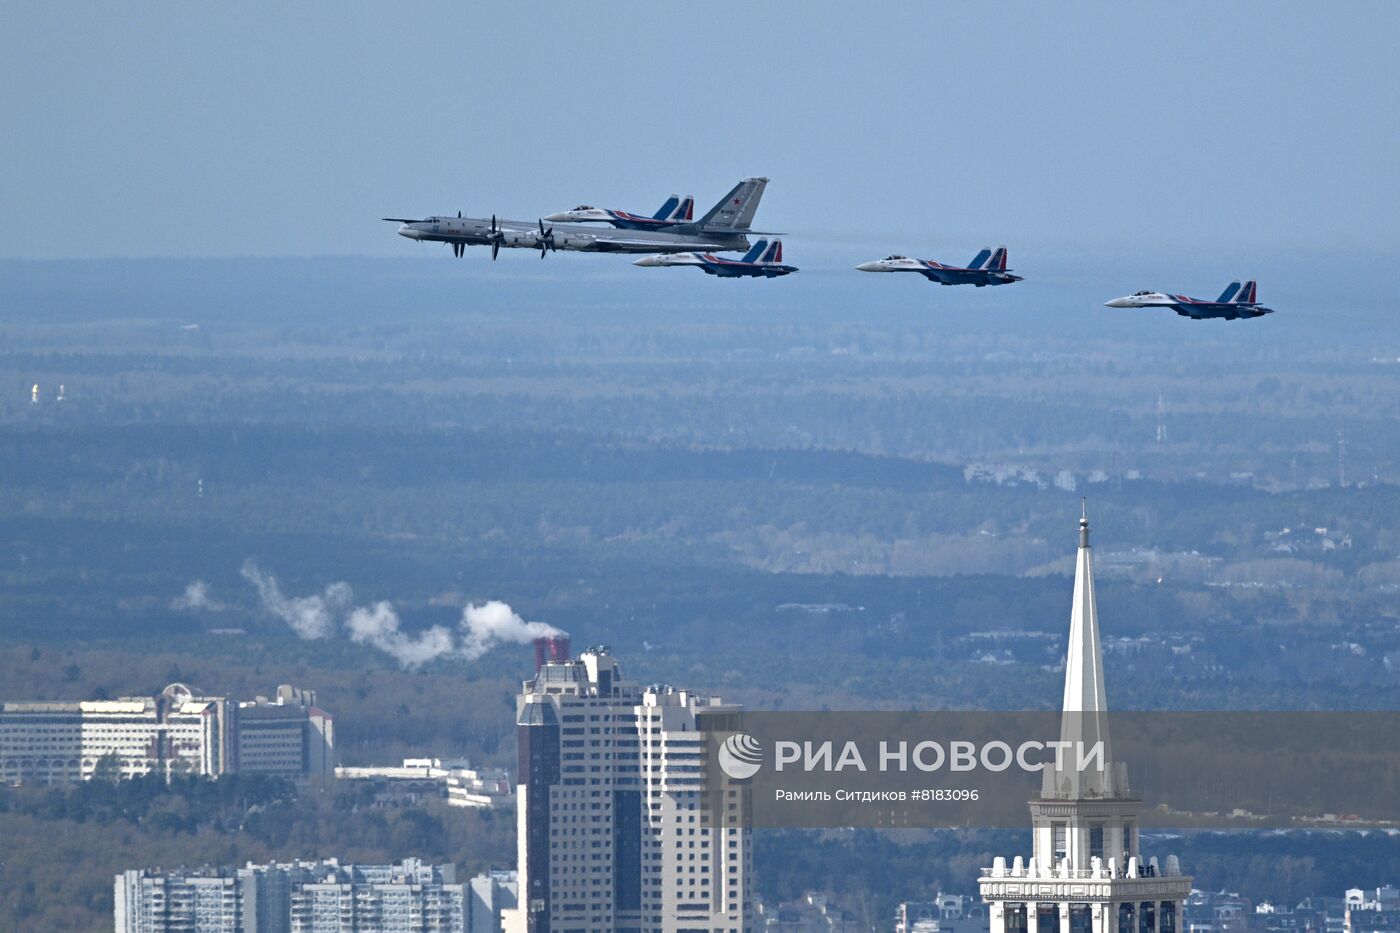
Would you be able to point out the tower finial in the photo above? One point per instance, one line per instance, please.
(1084, 521)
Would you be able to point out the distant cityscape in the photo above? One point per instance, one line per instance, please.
(617, 828)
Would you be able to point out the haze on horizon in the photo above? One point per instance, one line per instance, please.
(265, 130)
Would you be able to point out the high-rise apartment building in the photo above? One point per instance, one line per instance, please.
(619, 827)
(1086, 873)
(307, 897)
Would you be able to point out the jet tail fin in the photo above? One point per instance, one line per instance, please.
(755, 251)
(775, 252)
(736, 209)
(998, 261)
(668, 210)
(1249, 294)
(979, 259)
(685, 211)
(1231, 293)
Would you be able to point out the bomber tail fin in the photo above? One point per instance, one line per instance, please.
(979, 259)
(668, 210)
(755, 251)
(736, 210)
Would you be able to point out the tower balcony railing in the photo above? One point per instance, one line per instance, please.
(1101, 869)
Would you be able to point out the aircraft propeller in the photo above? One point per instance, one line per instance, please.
(545, 241)
(496, 237)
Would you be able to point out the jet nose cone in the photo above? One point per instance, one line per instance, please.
(557, 217)
(869, 267)
(1118, 303)
(647, 261)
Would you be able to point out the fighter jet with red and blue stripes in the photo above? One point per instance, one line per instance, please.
(676, 210)
(987, 268)
(1237, 301)
(764, 260)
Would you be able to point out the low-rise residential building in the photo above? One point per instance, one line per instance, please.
(946, 913)
(59, 741)
(453, 780)
(174, 733)
(814, 913)
(286, 735)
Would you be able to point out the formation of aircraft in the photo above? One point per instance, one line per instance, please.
(675, 211)
(987, 268)
(764, 260)
(1237, 301)
(673, 237)
(724, 227)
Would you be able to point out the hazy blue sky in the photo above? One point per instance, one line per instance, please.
(274, 128)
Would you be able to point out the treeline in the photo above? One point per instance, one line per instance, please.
(186, 804)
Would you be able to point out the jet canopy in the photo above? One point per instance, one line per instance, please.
(888, 258)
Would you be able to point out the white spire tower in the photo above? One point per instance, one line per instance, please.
(1085, 873)
(1084, 711)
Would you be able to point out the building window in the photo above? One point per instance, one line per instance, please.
(1015, 915)
(1167, 921)
(1147, 917)
(1061, 840)
(1125, 918)
(1096, 841)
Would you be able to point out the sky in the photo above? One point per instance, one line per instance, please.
(273, 129)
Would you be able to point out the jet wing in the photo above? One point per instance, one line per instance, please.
(608, 243)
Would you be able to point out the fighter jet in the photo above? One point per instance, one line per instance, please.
(765, 260)
(986, 268)
(724, 227)
(677, 210)
(1235, 302)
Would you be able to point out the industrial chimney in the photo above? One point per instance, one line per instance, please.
(551, 648)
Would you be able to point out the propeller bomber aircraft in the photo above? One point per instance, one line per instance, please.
(725, 227)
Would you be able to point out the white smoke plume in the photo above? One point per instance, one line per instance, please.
(333, 612)
(310, 617)
(196, 598)
(378, 625)
(486, 625)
